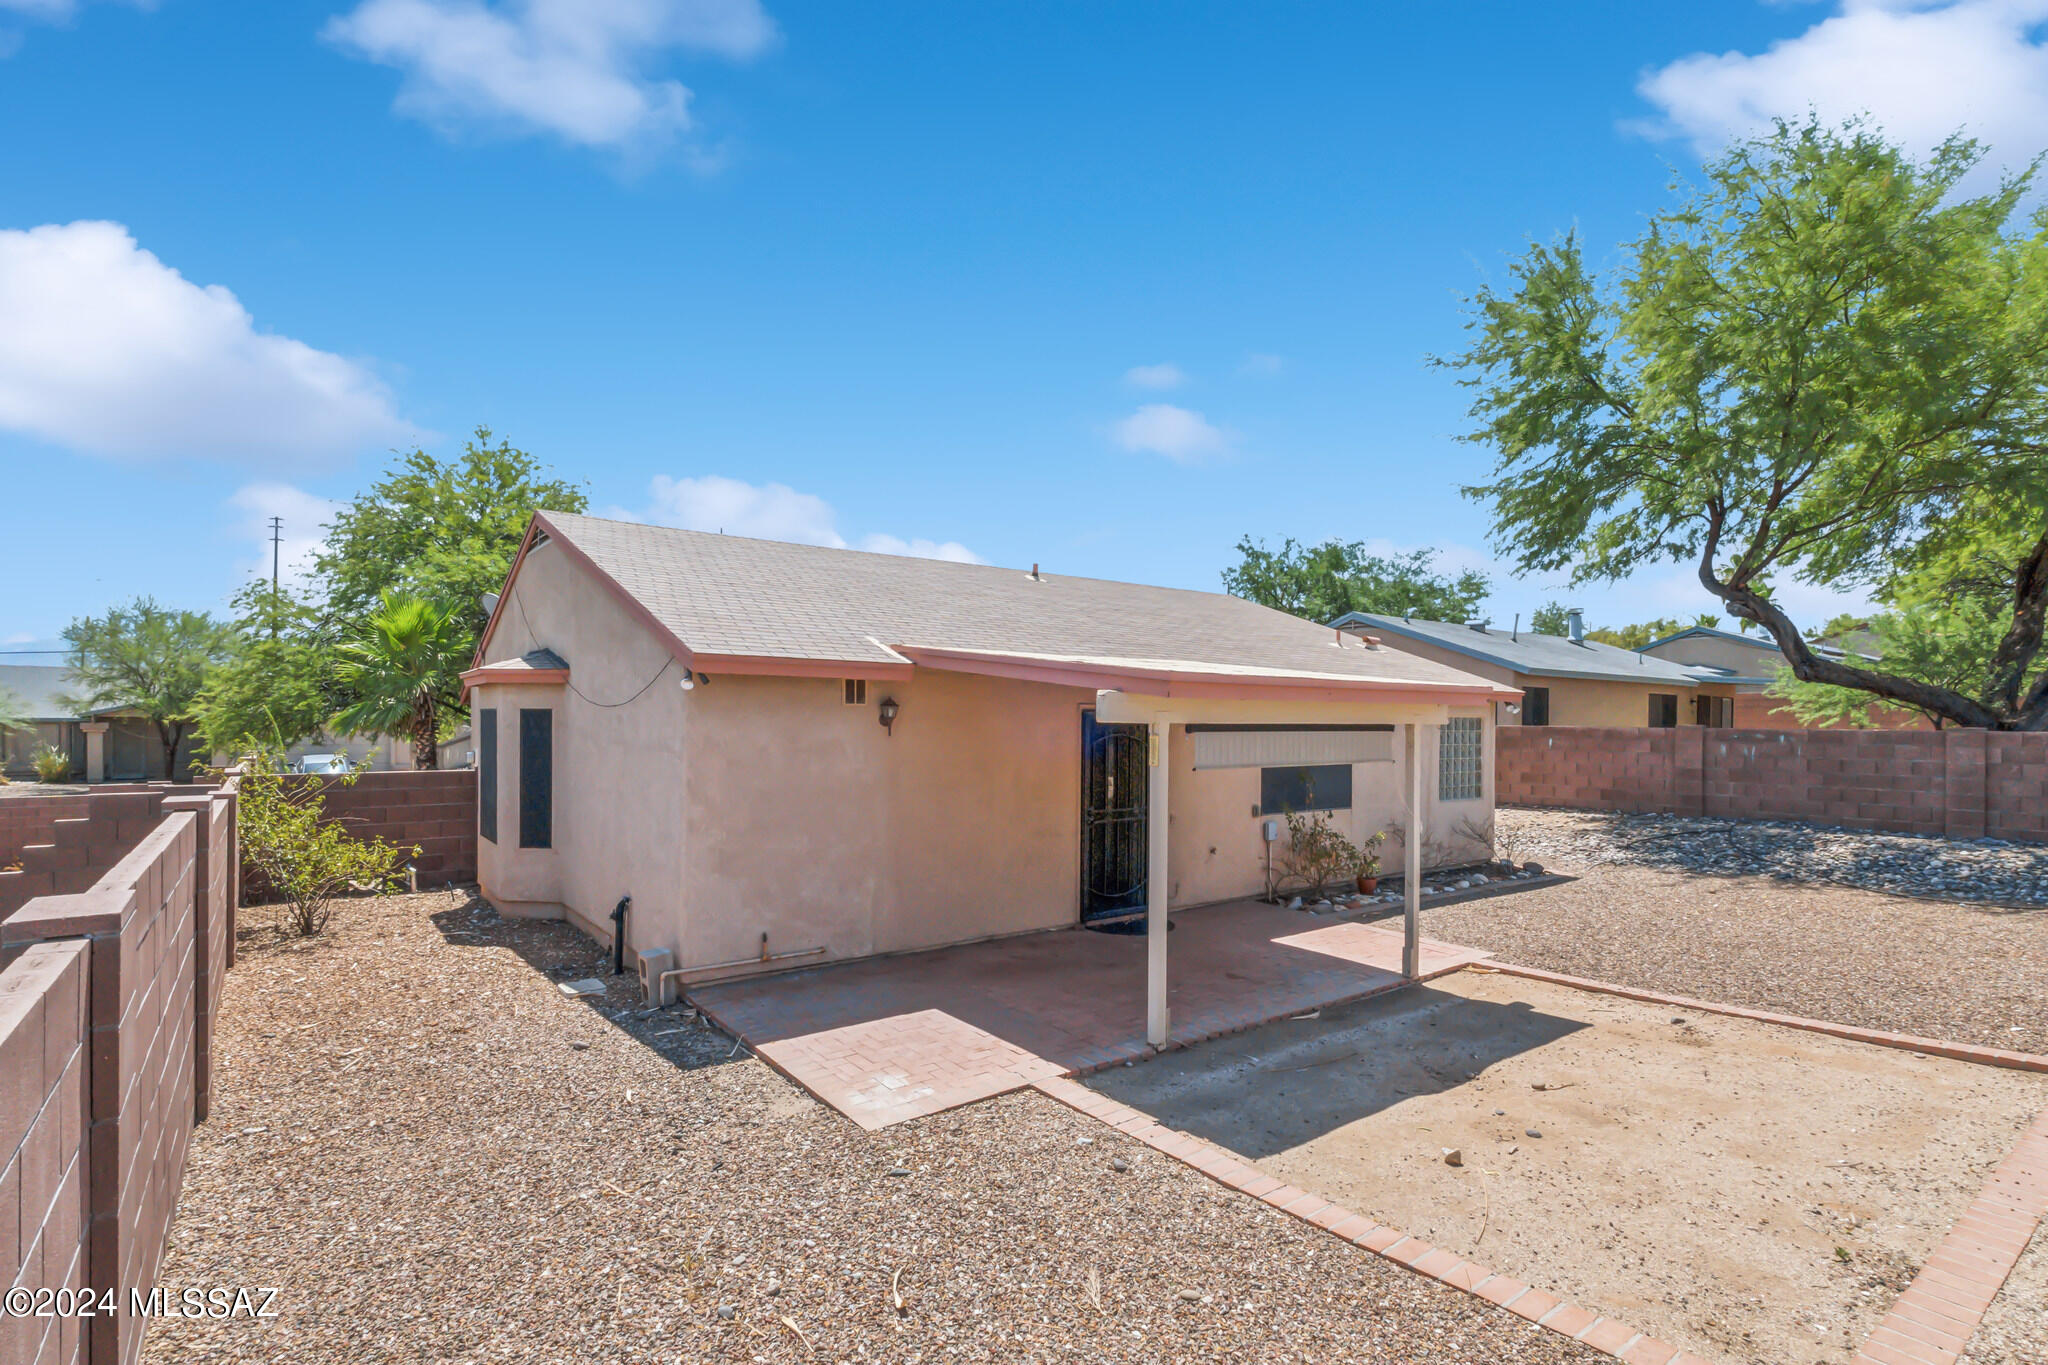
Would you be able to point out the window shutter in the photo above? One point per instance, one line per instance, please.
(536, 778)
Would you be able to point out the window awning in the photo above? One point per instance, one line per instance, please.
(1280, 746)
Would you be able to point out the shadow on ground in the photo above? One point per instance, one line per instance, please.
(558, 952)
(1276, 1087)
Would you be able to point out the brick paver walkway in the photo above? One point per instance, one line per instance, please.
(888, 1039)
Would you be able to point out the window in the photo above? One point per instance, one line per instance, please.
(1715, 711)
(487, 773)
(856, 691)
(536, 778)
(1535, 706)
(1325, 786)
(1458, 760)
(1663, 710)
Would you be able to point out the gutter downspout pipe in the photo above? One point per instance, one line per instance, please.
(619, 935)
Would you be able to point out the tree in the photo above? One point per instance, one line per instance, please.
(1552, 618)
(276, 685)
(1649, 632)
(1325, 581)
(400, 668)
(148, 659)
(445, 531)
(1824, 362)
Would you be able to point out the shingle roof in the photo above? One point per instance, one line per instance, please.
(1525, 651)
(730, 595)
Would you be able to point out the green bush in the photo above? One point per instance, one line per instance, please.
(51, 764)
(305, 863)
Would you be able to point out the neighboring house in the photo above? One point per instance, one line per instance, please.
(786, 754)
(106, 744)
(1564, 679)
(1749, 664)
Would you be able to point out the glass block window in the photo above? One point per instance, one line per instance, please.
(1458, 776)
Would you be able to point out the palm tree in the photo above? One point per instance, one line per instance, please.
(402, 666)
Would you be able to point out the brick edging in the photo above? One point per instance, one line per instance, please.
(1932, 1322)
(1546, 1310)
(1904, 1042)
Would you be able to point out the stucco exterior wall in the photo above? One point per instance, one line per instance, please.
(814, 825)
(619, 773)
(1584, 701)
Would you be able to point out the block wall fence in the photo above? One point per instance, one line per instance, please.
(435, 810)
(108, 998)
(1965, 784)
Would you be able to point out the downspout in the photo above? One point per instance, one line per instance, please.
(619, 935)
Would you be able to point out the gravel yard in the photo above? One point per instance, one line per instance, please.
(441, 1157)
(1990, 870)
(1968, 972)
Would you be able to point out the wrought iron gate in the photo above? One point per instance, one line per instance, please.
(1115, 793)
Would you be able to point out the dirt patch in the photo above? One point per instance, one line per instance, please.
(1749, 1193)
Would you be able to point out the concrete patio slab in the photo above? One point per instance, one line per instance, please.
(888, 1039)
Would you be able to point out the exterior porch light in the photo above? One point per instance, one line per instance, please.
(887, 711)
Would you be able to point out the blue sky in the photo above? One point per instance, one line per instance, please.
(1098, 286)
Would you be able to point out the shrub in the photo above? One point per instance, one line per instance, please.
(1317, 853)
(306, 863)
(51, 764)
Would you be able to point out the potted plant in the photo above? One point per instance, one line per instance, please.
(1366, 865)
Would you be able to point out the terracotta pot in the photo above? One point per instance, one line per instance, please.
(1368, 885)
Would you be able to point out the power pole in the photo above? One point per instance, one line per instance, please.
(276, 539)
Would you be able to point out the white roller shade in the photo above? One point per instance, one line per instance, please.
(1261, 748)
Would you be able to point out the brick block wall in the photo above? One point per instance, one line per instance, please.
(82, 846)
(145, 947)
(435, 810)
(44, 1072)
(1961, 783)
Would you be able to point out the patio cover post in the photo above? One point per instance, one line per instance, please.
(1411, 858)
(1156, 885)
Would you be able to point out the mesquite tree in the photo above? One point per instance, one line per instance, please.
(1826, 362)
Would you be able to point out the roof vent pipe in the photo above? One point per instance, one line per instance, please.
(1575, 625)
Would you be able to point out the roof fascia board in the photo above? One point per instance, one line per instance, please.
(633, 605)
(1526, 669)
(1160, 682)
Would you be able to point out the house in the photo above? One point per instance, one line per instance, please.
(117, 744)
(1749, 664)
(1564, 679)
(760, 755)
(106, 744)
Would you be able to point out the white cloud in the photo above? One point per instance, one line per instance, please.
(1921, 70)
(1166, 376)
(303, 534)
(920, 548)
(20, 637)
(573, 68)
(772, 511)
(1177, 433)
(105, 349)
(1261, 365)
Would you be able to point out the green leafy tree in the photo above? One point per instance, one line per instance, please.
(277, 684)
(148, 659)
(1649, 632)
(443, 530)
(1323, 582)
(400, 668)
(1552, 618)
(1818, 363)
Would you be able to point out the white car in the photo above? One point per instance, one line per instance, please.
(322, 763)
